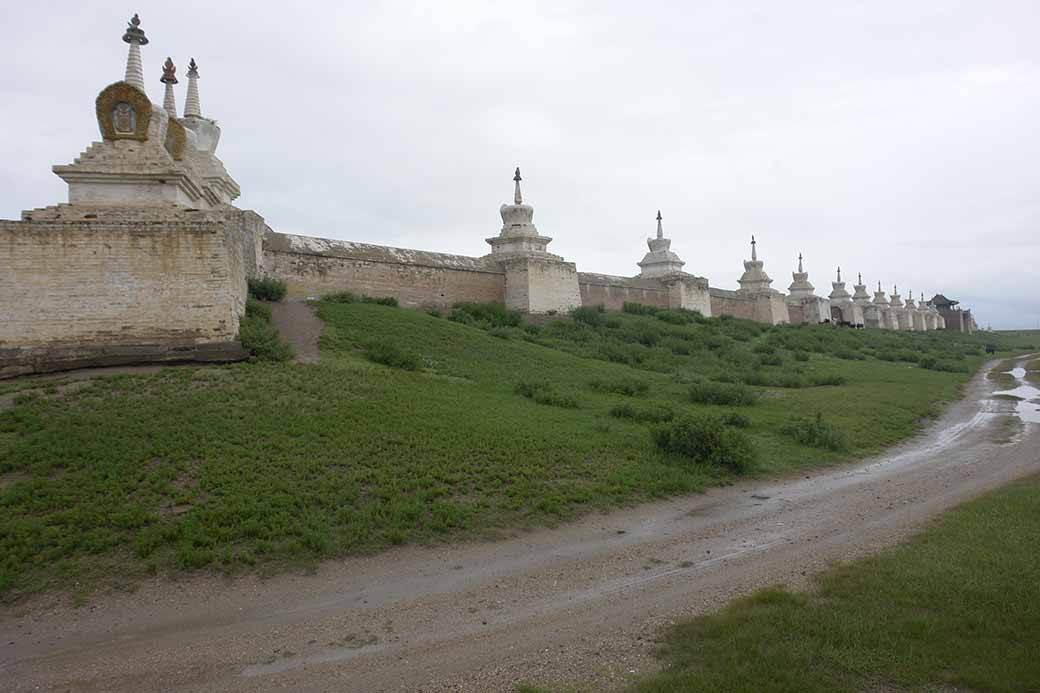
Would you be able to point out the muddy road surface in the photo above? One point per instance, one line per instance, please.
(578, 604)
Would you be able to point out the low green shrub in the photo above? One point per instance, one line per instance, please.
(256, 309)
(630, 387)
(638, 309)
(389, 354)
(486, 315)
(788, 380)
(680, 316)
(706, 440)
(502, 332)
(802, 356)
(815, 433)
(722, 393)
(772, 360)
(349, 297)
(545, 393)
(646, 414)
(820, 380)
(259, 337)
(735, 419)
(593, 316)
(934, 364)
(266, 288)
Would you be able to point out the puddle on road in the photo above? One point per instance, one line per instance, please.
(1028, 406)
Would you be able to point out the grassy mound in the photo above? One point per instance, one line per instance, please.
(415, 428)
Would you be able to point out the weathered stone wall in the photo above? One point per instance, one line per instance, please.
(689, 292)
(540, 285)
(796, 313)
(725, 302)
(92, 286)
(613, 292)
(314, 267)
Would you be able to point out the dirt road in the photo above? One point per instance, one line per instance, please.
(579, 604)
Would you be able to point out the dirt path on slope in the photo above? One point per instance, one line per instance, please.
(299, 326)
(578, 604)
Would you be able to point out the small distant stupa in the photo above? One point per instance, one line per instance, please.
(660, 261)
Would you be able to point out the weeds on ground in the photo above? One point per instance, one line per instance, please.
(389, 354)
(642, 413)
(722, 394)
(816, 433)
(544, 392)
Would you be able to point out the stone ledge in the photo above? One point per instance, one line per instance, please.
(290, 244)
(17, 362)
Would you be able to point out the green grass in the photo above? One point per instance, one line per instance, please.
(273, 465)
(956, 608)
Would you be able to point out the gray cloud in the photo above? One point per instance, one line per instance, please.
(893, 138)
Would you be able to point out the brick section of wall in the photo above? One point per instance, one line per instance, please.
(117, 286)
(613, 292)
(314, 267)
(724, 302)
(796, 313)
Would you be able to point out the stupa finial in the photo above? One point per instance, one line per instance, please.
(800, 263)
(192, 107)
(134, 35)
(134, 32)
(754, 252)
(895, 289)
(660, 231)
(879, 286)
(839, 273)
(517, 197)
(861, 278)
(169, 72)
(169, 78)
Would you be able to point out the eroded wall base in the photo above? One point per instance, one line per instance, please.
(88, 286)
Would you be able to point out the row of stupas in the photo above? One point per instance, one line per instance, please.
(148, 155)
(858, 309)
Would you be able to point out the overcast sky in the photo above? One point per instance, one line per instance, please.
(897, 139)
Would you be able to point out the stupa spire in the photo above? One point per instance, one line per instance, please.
(754, 253)
(169, 78)
(660, 231)
(191, 103)
(517, 197)
(134, 35)
(839, 273)
(800, 263)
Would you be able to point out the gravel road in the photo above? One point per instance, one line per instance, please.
(578, 604)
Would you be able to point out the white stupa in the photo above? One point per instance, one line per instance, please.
(660, 261)
(518, 234)
(861, 297)
(754, 280)
(801, 287)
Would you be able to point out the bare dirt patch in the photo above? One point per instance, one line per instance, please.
(298, 325)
